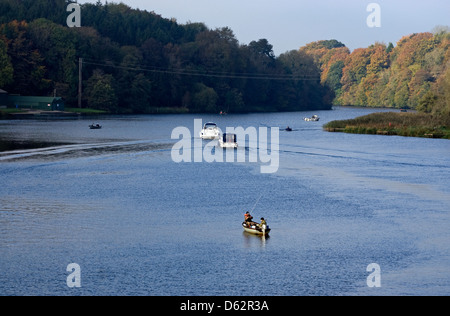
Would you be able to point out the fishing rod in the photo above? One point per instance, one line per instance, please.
(254, 206)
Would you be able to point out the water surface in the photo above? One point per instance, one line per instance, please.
(114, 202)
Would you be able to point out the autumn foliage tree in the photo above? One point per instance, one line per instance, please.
(411, 74)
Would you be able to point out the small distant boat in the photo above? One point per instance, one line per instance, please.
(314, 118)
(95, 126)
(228, 140)
(256, 229)
(288, 129)
(210, 131)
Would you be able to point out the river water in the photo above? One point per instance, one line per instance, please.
(135, 222)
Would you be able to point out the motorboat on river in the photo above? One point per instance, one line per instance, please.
(228, 140)
(210, 131)
(95, 126)
(314, 118)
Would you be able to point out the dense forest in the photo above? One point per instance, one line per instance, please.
(413, 74)
(136, 61)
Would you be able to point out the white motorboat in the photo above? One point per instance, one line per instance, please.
(314, 118)
(210, 131)
(228, 140)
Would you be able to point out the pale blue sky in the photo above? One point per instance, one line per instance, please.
(290, 24)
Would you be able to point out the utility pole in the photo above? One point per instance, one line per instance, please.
(80, 81)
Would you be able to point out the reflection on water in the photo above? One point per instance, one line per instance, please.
(251, 240)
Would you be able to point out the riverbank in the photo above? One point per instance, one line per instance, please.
(33, 114)
(76, 112)
(36, 114)
(392, 123)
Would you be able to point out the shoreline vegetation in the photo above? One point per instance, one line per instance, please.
(24, 113)
(75, 112)
(6, 114)
(393, 123)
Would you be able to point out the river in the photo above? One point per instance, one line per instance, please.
(114, 202)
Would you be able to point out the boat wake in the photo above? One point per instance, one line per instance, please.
(360, 156)
(82, 150)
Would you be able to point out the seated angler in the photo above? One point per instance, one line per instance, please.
(248, 217)
(263, 223)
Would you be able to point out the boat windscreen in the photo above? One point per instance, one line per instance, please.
(229, 138)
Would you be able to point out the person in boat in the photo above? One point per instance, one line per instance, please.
(263, 222)
(248, 218)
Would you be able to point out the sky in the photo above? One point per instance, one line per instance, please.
(291, 24)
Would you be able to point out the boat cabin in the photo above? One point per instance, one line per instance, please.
(210, 125)
(228, 140)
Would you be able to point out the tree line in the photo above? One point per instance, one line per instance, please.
(136, 61)
(414, 74)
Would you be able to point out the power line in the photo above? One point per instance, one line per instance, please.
(225, 75)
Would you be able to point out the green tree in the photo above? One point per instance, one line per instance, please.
(100, 93)
(6, 68)
(335, 75)
(427, 103)
(233, 101)
(139, 100)
(443, 97)
(205, 99)
(389, 48)
(262, 48)
(58, 49)
(305, 87)
(402, 96)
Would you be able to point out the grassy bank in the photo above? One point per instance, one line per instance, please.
(167, 110)
(392, 123)
(5, 113)
(9, 113)
(149, 110)
(85, 111)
